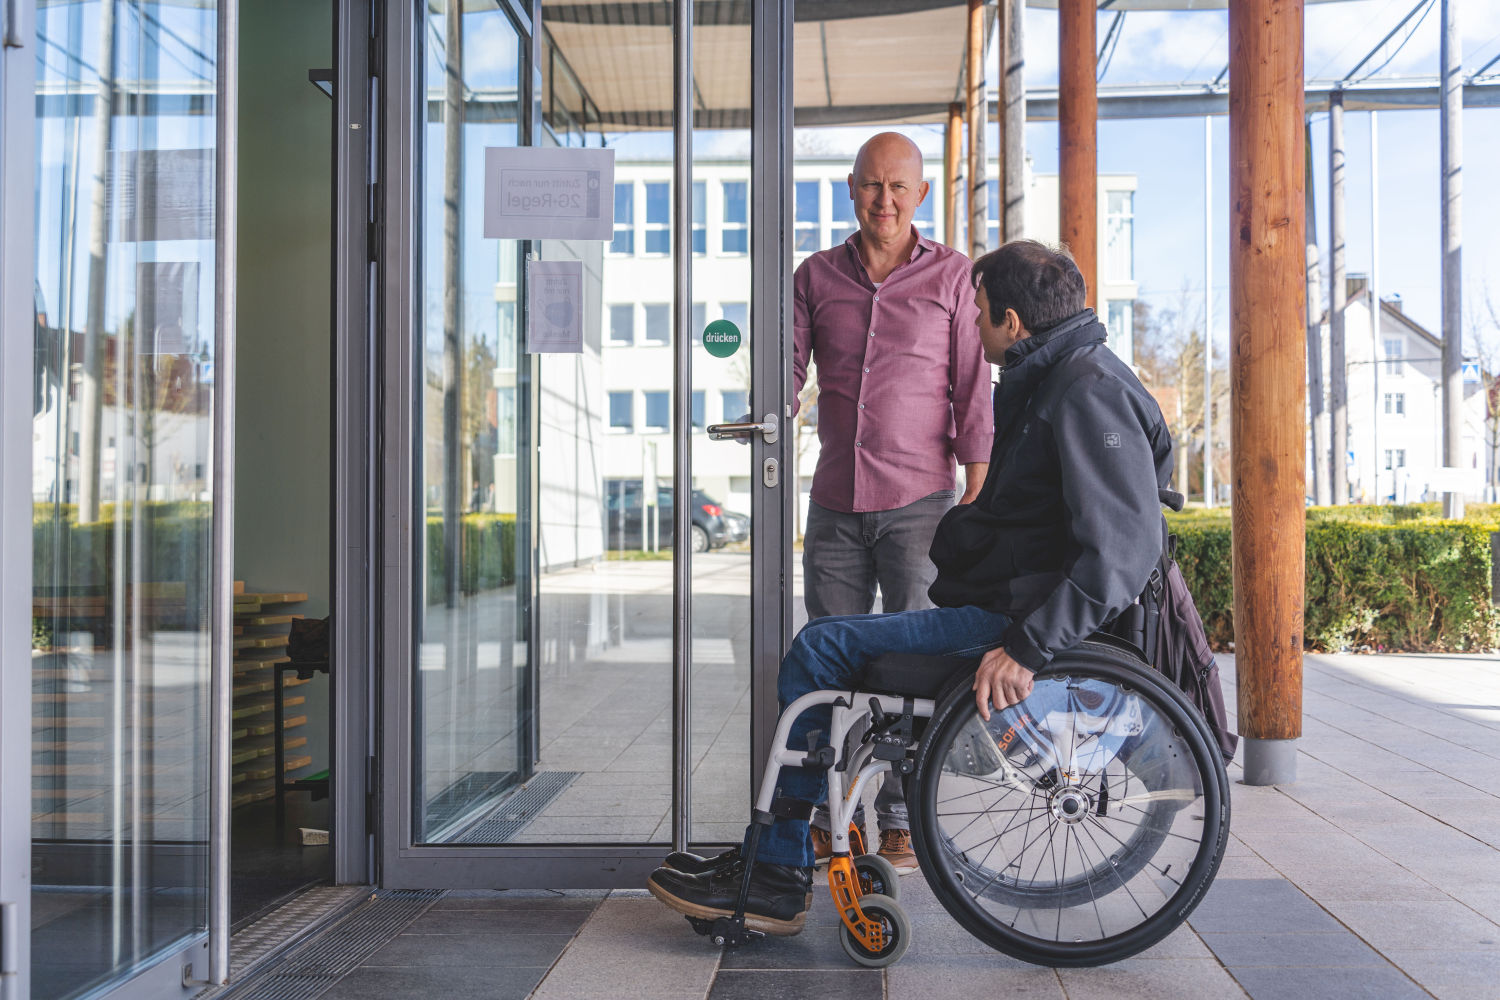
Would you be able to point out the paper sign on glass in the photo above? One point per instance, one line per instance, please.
(535, 193)
(554, 315)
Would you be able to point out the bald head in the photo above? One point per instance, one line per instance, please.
(889, 150)
(886, 187)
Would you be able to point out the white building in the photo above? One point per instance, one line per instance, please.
(1395, 402)
(637, 296)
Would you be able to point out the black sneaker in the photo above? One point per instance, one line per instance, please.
(697, 864)
(779, 895)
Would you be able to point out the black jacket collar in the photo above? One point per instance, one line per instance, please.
(1029, 360)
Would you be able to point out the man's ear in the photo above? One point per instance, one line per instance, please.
(1013, 319)
(922, 192)
(851, 186)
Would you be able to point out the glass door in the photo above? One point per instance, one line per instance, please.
(128, 376)
(576, 556)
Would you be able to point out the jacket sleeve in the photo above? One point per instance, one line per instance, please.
(970, 383)
(801, 333)
(1109, 490)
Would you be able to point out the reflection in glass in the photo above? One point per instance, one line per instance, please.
(121, 485)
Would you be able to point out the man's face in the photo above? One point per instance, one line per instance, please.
(886, 188)
(997, 338)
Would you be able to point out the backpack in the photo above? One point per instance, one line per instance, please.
(1165, 625)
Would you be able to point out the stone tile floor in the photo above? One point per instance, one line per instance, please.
(1376, 875)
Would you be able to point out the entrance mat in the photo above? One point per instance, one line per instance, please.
(518, 808)
(310, 969)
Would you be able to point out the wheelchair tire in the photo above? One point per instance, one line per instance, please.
(877, 875)
(896, 923)
(1108, 803)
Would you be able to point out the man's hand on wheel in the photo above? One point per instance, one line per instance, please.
(1001, 681)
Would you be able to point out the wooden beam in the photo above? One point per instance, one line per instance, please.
(953, 178)
(1077, 114)
(1267, 370)
(978, 118)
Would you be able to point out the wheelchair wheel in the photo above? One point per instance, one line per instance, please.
(1079, 827)
(877, 875)
(895, 924)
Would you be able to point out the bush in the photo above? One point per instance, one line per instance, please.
(487, 554)
(1392, 578)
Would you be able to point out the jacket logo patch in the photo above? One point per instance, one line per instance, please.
(1111, 440)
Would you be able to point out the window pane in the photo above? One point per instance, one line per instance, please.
(657, 410)
(736, 404)
(992, 202)
(620, 414)
(808, 201)
(622, 324)
(923, 215)
(700, 203)
(738, 313)
(658, 203)
(736, 202)
(844, 222)
(700, 240)
(698, 410)
(736, 241)
(658, 324)
(624, 241)
(700, 320)
(658, 241)
(806, 239)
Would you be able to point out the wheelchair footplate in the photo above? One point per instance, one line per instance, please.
(726, 932)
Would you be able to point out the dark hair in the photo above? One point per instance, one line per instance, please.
(1041, 283)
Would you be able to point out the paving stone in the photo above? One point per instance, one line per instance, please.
(458, 950)
(1387, 983)
(632, 946)
(1143, 979)
(849, 983)
(1472, 973)
(922, 978)
(423, 983)
(1258, 905)
(1418, 925)
(1334, 950)
(498, 921)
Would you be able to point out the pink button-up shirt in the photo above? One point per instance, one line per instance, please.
(903, 387)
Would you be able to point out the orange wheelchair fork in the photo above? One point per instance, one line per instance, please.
(843, 884)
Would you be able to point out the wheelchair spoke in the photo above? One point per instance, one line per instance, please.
(1123, 883)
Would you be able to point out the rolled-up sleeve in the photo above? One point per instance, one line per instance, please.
(969, 383)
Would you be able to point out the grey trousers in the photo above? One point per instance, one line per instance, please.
(844, 558)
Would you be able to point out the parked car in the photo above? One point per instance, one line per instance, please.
(623, 518)
(736, 526)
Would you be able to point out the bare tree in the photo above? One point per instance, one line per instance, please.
(1169, 355)
(1484, 337)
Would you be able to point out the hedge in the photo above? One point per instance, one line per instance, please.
(1387, 578)
(487, 560)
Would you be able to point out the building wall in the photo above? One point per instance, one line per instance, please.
(283, 404)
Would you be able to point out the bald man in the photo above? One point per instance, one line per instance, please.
(888, 317)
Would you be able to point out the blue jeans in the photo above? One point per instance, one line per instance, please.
(833, 653)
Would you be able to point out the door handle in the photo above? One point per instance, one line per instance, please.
(17, 30)
(767, 428)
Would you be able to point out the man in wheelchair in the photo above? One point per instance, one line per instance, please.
(1063, 536)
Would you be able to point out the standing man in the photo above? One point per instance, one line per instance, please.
(903, 396)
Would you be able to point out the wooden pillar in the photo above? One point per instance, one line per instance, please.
(1267, 370)
(1077, 123)
(978, 118)
(953, 177)
(1012, 121)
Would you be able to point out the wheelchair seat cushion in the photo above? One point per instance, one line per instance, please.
(916, 675)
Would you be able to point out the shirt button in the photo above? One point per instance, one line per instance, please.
(872, 333)
(877, 298)
(859, 444)
(861, 406)
(867, 371)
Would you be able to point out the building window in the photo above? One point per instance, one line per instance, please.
(622, 324)
(1395, 355)
(922, 218)
(624, 241)
(738, 313)
(658, 324)
(808, 215)
(700, 320)
(622, 411)
(700, 217)
(658, 411)
(845, 224)
(1395, 458)
(658, 217)
(992, 223)
(700, 411)
(1120, 237)
(735, 239)
(736, 404)
(1121, 327)
(1395, 402)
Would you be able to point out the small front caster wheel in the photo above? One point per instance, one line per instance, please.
(897, 926)
(877, 875)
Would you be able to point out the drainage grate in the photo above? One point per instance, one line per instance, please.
(321, 962)
(321, 904)
(518, 808)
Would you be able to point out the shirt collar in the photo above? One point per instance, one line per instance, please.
(923, 245)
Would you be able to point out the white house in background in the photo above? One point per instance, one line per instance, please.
(636, 308)
(1395, 399)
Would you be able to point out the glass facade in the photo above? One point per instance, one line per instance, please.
(122, 466)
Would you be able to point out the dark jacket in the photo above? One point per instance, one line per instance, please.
(1067, 528)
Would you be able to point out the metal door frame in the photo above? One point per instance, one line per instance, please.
(17, 268)
(402, 863)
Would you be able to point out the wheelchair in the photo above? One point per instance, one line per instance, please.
(1076, 828)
